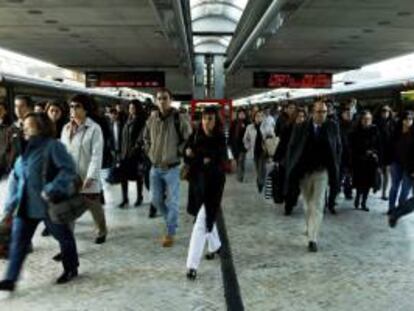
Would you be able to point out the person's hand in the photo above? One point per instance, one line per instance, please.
(6, 219)
(233, 165)
(207, 160)
(189, 153)
(88, 183)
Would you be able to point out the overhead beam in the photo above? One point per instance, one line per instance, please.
(273, 13)
(173, 17)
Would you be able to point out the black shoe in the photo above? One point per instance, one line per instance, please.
(45, 232)
(332, 209)
(392, 221)
(67, 276)
(212, 256)
(356, 205)
(124, 204)
(312, 247)
(152, 212)
(100, 239)
(138, 202)
(7, 285)
(192, 274)
(365, 209)
(57, 257)
(348, 197)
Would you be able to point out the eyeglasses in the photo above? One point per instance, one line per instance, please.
(321, 111)
(75, 106)
(162, 98)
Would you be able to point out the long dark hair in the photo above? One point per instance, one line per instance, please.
(399, 125)
(44, 124)
(218, 126)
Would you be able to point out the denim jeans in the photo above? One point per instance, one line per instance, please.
(399, 178)
(22, 233)
(165, 188)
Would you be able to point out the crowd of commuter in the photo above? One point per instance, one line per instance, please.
(313, 152)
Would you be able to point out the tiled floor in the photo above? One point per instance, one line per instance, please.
(361, 265)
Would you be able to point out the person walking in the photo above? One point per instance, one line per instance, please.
(165, 134)
(205, 153)
(84, 140)
(312, 162)
(29, 191)
(132, 152)
(253, 142)
(366, 158)
(402, 163)
(386, 126)
(237, 131)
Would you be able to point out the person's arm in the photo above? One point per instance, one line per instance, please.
(147, 136)
(247, 138)
(64, 182)
(12, 199)
(95, 163)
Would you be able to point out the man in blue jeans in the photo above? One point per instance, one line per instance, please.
(165, 134)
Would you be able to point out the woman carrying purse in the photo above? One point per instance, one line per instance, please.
(206, 154)
(28, 194)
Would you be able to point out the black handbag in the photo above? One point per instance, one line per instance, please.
(64, 210)
(115, 175)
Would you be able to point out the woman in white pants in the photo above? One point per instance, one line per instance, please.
(206, 154)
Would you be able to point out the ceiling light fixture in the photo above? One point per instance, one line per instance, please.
(51, 21)
(404, 13)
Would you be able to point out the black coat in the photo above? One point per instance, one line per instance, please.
(132, 149)
(102, 121)
(345, 129)
(386, 129)
(366, 156)
(237, 130)
(295, 153)
(206, 181)
(406, 160)
(285, 132)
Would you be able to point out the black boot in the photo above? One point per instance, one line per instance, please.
(191, 274)
(67, 276)
(140, 188)
(124, 186)
(212, 256)
(357, 199)
(123, 204)
(364, 202)
(152, 211)
(7, 285)
(57, 257)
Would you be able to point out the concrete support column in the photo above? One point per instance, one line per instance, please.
(219, 80)
(198, 82)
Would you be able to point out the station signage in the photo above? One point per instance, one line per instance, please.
(135, 79)
(292, 80)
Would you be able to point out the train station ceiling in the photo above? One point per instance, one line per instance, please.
(165, 35)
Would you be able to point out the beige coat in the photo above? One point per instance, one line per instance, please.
(161, 139)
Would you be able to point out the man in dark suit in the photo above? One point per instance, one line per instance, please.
(313, 161)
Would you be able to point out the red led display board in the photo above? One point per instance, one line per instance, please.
(146, 79)
(292, 80)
